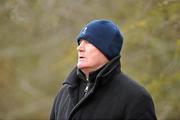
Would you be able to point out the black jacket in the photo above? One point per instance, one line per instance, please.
(112, 96)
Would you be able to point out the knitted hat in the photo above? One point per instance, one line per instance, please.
(104, 35)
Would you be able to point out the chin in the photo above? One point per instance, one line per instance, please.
(81, 66)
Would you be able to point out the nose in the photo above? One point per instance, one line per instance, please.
(81, 46)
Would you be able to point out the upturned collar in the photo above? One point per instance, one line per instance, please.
(113, 65)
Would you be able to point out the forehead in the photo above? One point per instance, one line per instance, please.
(89, 45)
(83, 41)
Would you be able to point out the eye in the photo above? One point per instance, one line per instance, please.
(80, 42)
(86, 41)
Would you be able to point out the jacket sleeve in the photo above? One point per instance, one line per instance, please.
(53, 110)
(141, 108)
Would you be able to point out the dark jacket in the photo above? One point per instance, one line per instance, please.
(112, 96)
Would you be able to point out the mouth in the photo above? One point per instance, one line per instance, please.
(81, 57)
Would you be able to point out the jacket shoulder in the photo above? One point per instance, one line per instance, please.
(130, 86)
(139, 103)
(62, 91)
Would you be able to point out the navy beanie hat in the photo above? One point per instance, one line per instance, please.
(104, 35)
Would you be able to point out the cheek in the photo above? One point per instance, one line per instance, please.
(92, 56)
(93, 59)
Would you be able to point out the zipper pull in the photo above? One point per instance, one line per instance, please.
(86, 89)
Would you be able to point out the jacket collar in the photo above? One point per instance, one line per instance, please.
(113, 65)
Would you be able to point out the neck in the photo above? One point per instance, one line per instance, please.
(87, 71)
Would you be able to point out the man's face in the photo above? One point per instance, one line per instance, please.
(89, 57)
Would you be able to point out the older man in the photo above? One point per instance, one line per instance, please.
(96, 89)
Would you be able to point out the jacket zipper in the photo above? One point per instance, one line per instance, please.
(87, 86)
(86, 89)
(85, 96)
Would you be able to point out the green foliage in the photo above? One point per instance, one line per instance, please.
(38, 50)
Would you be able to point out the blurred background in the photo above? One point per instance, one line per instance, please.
(38, 50)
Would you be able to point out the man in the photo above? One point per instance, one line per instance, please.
(96, 89)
